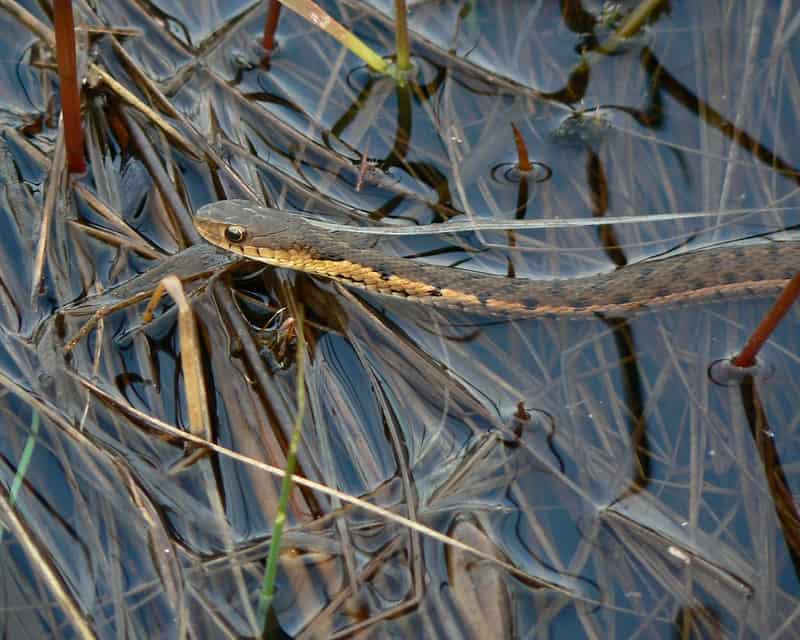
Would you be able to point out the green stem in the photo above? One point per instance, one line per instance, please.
(25, 459)
(268, 586)
(633, 23)
(317, 16)
(24, 463)
(401, 35)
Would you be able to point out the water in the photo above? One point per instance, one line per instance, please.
(625, 492)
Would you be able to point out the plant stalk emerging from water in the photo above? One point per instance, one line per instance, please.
(268, 586)
(68, 78)
(401, 35)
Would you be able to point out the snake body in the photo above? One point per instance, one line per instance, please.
(292, 241)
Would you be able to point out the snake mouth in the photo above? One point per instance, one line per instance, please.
(208, 230)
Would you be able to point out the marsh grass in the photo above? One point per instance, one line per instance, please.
(550, 474)
(67, 62)
(320, 18)
(24, 459)
(271, 572)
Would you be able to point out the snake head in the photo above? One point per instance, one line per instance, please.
(233, 224)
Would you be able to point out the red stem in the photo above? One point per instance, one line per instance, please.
(271, 24)
(747, 356)
(523, 161)
(68, 77)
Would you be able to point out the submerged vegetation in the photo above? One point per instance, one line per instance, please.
(266, 453)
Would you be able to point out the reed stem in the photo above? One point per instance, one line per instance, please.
(68, 78)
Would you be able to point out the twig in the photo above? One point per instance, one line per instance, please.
(53, 186)
(196, 395)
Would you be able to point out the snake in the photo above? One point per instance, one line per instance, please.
(291, 240)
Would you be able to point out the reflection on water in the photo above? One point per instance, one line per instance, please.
(619, 490)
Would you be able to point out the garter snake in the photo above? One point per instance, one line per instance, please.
(291, 241)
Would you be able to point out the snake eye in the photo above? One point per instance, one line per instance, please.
(235, 233)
